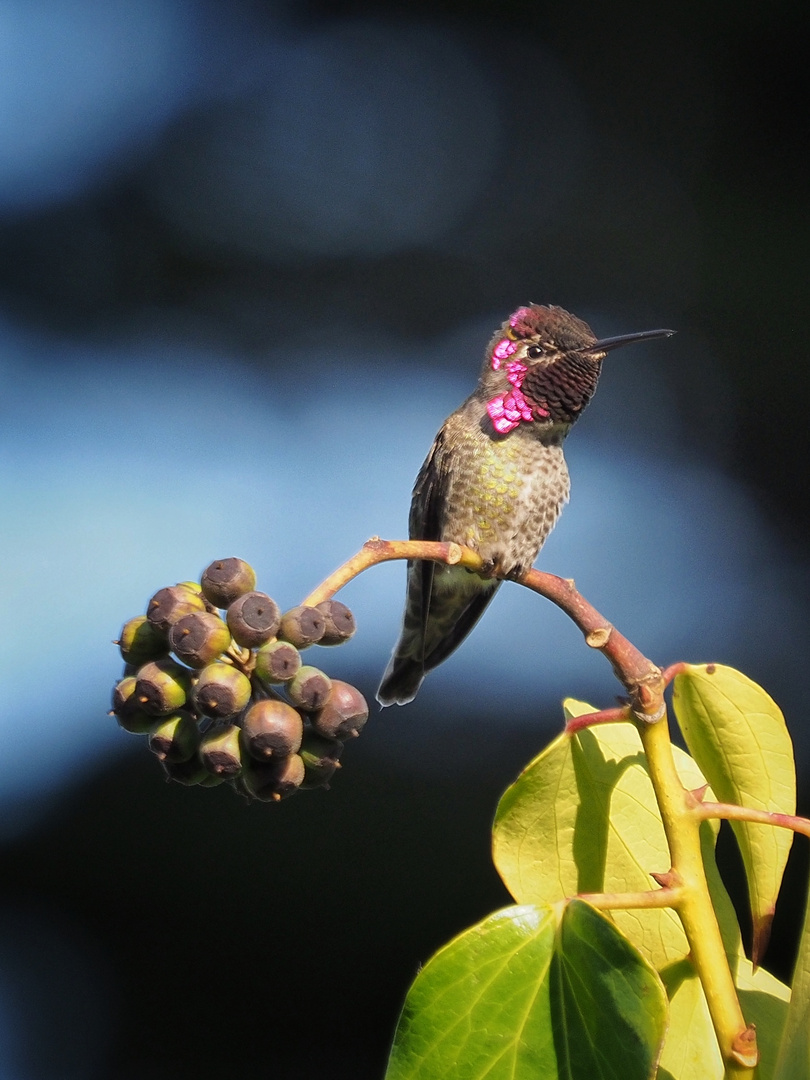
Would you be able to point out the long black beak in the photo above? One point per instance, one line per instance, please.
(608, 343)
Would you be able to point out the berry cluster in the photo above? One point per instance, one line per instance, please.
(214, 677)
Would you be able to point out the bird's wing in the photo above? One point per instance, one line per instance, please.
(463, 623)
(427, 503)
(427, 516)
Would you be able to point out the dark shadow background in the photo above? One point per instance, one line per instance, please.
(250, 254)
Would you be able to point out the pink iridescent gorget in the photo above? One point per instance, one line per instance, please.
(508, 411)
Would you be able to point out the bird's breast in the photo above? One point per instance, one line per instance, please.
(504, 497)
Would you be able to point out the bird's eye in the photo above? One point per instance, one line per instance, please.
(534, 351)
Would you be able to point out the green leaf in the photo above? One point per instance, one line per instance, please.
(533, 993)
(764, 1002)
(737, 735)
(794, 1053)
(690, 1049)
(582, 818)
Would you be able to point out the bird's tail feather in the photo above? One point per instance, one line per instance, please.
(401, 681)
(422, 648)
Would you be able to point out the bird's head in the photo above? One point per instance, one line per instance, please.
(542, 367)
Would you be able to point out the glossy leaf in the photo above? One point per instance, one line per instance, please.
(533, 993)
(582, 818)
(690, 1049)
(737, 735)
(764, 1002)
(794, 1053)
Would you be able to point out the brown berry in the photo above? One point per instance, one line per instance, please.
(273, 782)
(277, 662)
(310, 689)
(253, 619)
(161, 687)
(344, 715)
(271, 728)
(172, 603)
(320, 757)
(302, 626)
(190, 773)
(221, 691)
(199, 638)
(127, 711)
(226, 579)
(220, 751)
(175, 738)
(340, 624)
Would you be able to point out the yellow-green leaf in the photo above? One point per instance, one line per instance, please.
(690, 1049)
(764, 1002)
(737, 735)
(533, 994)
(582, 818)
(794, 1053)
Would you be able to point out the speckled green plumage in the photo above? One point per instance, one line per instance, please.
(501, 494)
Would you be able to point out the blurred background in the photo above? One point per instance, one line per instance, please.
(250, 256)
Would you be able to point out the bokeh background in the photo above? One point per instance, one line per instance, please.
(250, 255)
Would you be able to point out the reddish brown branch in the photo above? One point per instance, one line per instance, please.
(604, 716)
(669, 673)
(635, 672)
(640, 677)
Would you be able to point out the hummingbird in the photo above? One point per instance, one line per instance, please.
(495, 480)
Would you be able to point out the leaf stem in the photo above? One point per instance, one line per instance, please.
(624, 901)
(730, 812)
(604, 716)
(694, 906)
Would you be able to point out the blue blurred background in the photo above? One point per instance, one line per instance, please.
(250, 256)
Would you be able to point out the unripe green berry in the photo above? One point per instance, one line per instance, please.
(221, 691)
(172, 603)
(253, 619)
(127, 712)
(226, 579)
(277, 662)
(271, 728)
(140, 641)
(176, 738)
(302, 626)
(310, 689)
(271, 783)
(190, 773)
(122, 696)
(136, 723)
(344, 715)
(320, 758)
(199, 638)
(162, 687)
(212, 781)
(220, 752)
(340, 624)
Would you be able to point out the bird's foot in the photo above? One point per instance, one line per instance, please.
(496, 568)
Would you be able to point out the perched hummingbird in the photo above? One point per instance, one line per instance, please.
(495, 479)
